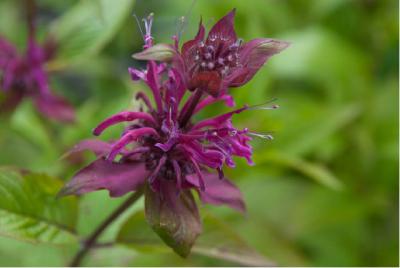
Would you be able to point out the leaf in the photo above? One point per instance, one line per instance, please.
(29, 210)
(312, 170)
(86, 28)
(174, 218)
(217, 241)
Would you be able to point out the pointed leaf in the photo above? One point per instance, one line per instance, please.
(29, 209)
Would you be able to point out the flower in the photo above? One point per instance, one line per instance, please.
(25, 76)
(221, 60)
(163, 150)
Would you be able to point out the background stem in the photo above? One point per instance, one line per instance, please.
(91, 241)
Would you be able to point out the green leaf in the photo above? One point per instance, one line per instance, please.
(218, 241)
(29, 210)
(87, 27)
(311, 170)
(174, 218)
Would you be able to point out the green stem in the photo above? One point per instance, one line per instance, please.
(91, 240)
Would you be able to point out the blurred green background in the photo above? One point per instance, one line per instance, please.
(324, 192)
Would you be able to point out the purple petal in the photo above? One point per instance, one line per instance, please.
(122, 117)
(100, 148)
(117, 178)
(253, 55)
(153, 83)
(228, 99)
(55, 108)
(224, 28)
(7, 50)
(219, 191)
(129, 137)
(217, 120)
(136, 74)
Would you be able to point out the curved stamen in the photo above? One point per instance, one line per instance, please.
(265, 106)
(129, 137)
(122, 117)
(218, 120)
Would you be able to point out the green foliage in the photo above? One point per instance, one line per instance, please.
(29, 210)
(324, 192)
(217, 241)
(87, 27)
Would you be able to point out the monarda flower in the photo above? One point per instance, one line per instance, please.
(24, 75)
(164, 151)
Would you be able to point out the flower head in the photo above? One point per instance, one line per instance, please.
(24, 75)
(165, 151)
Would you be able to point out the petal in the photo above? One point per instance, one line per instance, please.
(224, 29)
(7, 50)
(55, 108)
(100, 148)
(253, 55)
(125, 116)
(117, 178)
(228, 99)
(175, 218)
(219, 191)
(208, 81)
(136, 74)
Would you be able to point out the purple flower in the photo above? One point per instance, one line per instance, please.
(165, 151)
(25, 76)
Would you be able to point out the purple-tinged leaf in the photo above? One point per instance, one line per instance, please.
(219, 191)
(117, 178)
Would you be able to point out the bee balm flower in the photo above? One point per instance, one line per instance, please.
(165, 151)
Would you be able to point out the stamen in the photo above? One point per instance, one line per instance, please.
(138, 24)
(210, 65)
(263, 136)
(265, 106)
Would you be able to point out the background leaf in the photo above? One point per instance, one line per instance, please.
(88, 27)
(29, 210)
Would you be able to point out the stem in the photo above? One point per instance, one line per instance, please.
(91, 241)
(184, 118)
(30, 15)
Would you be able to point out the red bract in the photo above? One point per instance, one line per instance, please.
(163, 150)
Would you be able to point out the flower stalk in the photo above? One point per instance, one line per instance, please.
(90, 242)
